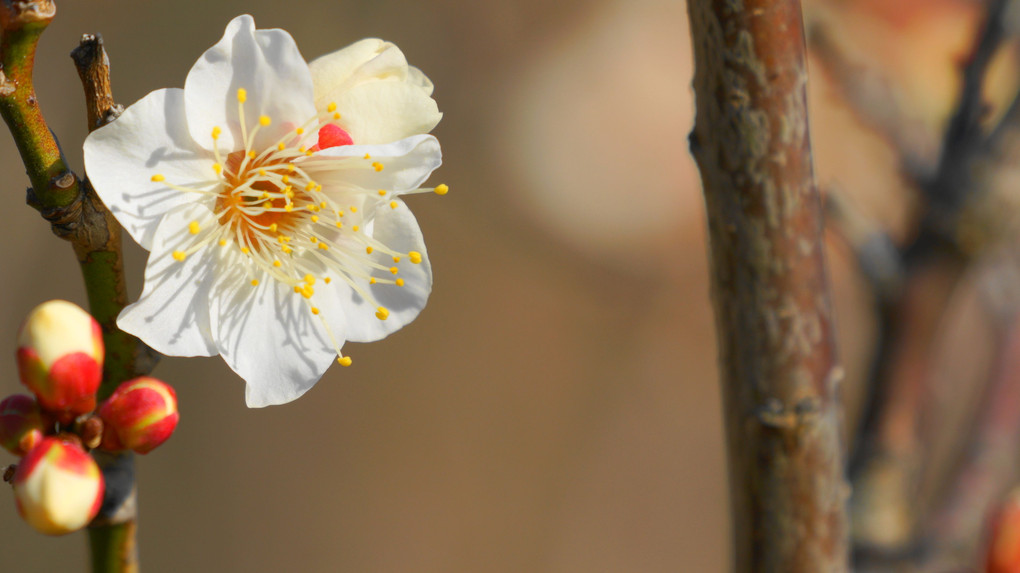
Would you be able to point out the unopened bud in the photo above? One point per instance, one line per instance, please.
(58, 487)
(139, 415)
(60, 358)
(21, 424)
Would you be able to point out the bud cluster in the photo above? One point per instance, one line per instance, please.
(58, 487)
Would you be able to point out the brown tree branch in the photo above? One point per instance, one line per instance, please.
(778, 362)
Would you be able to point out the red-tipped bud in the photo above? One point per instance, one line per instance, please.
(58, 487)
(1004, 544)
(21, 424)
(60, 357)
(139, 415)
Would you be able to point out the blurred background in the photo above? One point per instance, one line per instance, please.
(555, 407)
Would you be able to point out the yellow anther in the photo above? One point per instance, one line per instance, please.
(291, 168)
(323, 246)
(194, 228)
(371, 281)
(300, 130)
(323, 205)
(382, 192)
(288, 207)
(281, 146)
(315, 218)
(297, 289)
(415, 257)
(262, 172)
(223, 242)
(216, 131)
(302, 149)
(315, 310)
(310, 186)
(285, 178)
(354, 209)
(309, 153)
(355, 228)
(327, 280)
(369, 250)
(396, 259)
(277, 264)
(217, 168)
(273, 227)
(381, 313)
(339, 225)
(179, 256)
(314, 240)
(264, 120)
(242, 95)
(377, 166)
(289, 192)
(254, 282)
(245, 250)
(336, 115)
(264, 195)
(394, 270)
(307, 291)
(339, 213)
(251, 155)
(441, 189)
(393, 204)
(286, 249)
(331, 107)
(309, 279)
(158, 177)
(344, 361)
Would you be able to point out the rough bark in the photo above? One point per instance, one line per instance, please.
(773, 313)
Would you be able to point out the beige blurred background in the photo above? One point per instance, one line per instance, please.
(555, 408)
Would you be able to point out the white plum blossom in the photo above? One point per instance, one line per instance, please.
(268, 191)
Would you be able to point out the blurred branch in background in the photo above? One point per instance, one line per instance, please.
(778, 365)
(913, 505)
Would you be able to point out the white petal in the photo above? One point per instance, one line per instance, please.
(268, 65)
(380, 98)
(149, 138)
(406, 165)
(336, 71)
(386, 110)
(172, 315)
(397, 229)
(268, 335)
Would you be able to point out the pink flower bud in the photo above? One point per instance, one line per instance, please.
(21, 424)
(1004, 544)
(58, 487)
(139, 415)
(60, 357)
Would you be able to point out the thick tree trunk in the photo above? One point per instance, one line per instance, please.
(773, 314)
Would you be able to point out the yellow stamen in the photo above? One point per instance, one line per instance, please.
(415, 257)
(194, 228)
(179, 256)
(242, 95)
(264, 120)
(157, 178)
(442, 189)
(344, 361)
(381, 313)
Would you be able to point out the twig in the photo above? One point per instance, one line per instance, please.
(771, 298)
(98, 247)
